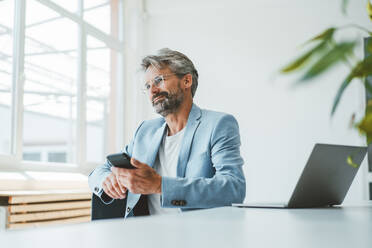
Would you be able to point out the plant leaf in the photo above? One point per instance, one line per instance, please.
(337, 54)
(369, 107)
(369, 45)
(298, 63)
(344, 6)
(362, 69)
(365, 127)
(324, 36)
(369, 139)
(350, 161)
(368, 87)
(369, 9)
(340, 92)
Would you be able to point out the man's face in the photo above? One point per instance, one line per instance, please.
(164, 90)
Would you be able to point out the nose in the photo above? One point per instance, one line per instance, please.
(153, 90)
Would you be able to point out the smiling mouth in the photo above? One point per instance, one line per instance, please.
(157, 99)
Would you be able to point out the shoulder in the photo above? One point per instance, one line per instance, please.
(220, 125)
(216, 117)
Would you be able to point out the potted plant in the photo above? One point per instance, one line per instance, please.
(326, 52)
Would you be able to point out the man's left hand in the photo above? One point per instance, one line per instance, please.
(142, 180)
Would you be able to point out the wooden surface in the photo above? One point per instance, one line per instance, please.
(48, 215)
(48, 206)
(39, 208)
(17, 199)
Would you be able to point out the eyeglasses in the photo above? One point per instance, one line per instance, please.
(158, 81)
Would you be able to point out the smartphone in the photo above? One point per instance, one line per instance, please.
(120, 160)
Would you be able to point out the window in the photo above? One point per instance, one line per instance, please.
(59, 157)
(101, 9)
(65, 68)
(99, 76)
(69, 5)
(32, 156)
(50, 79)
(6, 63)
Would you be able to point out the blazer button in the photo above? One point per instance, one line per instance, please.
(96, 189)
(128, 209)
(174, 202)
(183, 203)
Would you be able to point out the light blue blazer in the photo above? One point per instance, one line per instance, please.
(209, 170)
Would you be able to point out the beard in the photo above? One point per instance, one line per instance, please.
(170, 103)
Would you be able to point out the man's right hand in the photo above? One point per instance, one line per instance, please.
(112, 187)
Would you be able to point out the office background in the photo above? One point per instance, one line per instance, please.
(238, 47)
(73, 94)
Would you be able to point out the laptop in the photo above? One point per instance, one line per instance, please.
(325, 179)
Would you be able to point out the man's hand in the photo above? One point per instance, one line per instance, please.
(142, 180)
(113, 188)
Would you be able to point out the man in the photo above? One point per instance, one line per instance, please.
(188, 159)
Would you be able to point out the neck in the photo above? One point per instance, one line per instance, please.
(178, 120)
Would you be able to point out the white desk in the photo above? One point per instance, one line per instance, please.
(349, 227)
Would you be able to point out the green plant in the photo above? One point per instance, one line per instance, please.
(326, 52)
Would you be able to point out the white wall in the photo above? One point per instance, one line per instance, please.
(237, 47)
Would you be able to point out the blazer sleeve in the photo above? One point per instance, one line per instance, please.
(227, 186)
(99, 174)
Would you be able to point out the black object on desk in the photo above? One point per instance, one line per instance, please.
(117, 208)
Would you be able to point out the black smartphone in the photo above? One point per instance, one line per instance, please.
(120, 160)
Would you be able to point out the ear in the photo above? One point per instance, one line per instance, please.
(187, 81)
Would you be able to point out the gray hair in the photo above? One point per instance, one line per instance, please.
(177, 62)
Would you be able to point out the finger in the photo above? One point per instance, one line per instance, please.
(108, 191)
(127, 183)
(115, 186)
(110, 185)
(123, 181)
(122, 188)
(112, 191)
(137, 163)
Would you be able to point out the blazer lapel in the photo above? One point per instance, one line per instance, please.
(155, 144)
(132, 199)
(191, 126)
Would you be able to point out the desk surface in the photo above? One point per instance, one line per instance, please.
(349, 227)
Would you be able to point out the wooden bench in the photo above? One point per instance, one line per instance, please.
(38, 208)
